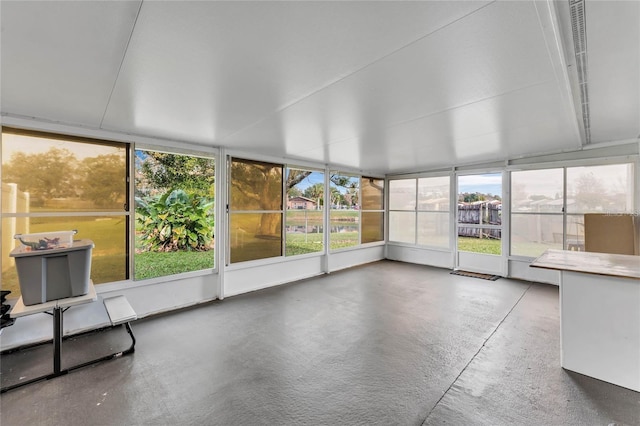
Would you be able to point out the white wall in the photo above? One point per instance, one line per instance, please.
(255, 276)
(420, 255)
(251, 276)
(353, 257)
(519, 268)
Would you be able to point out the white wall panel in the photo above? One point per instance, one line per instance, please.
(348, 258)
(246, 278)
(169, 295)
(520, 269)
(421, 256)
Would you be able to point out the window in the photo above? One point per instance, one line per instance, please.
(305, 217)
(596, 189)
(174, 213)
(345, 213)
(372, 190)
(433, 211)
(537, 200)
(539, 219)
(419, 211)
(402, 210)
(255, 210)
(57, 183)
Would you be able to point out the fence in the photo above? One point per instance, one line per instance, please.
(479, 214)
(13, 201)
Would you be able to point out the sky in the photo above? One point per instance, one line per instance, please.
(483, 184)
(33, 145)
(312, 179)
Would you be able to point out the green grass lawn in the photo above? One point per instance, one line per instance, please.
(152, 264)
(303, 243)
(478, 245)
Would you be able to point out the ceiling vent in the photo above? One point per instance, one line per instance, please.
(578, 28)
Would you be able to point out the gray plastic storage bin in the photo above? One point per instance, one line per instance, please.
(53, 274)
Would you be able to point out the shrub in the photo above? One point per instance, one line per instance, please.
(176, 221)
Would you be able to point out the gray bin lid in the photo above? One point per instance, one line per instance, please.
(23, 250)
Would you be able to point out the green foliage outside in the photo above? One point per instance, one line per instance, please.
(161, 171)
(104, 178)
(57, 174)
(174, 214)
(472, 197)
(175, 221)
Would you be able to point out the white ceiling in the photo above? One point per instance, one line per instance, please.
(383, 87)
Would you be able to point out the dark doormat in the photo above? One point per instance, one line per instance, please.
(476, 275)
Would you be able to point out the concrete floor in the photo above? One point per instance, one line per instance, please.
(382, 344)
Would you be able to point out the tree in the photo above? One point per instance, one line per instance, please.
(45, 175)
(165, 171)
(315, 192)
(590, 192)
(336, 197)
(351, 196)
(104, 180)
(294, 192)
(258, 186)
(295, 176)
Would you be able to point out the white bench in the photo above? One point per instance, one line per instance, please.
(120, 312)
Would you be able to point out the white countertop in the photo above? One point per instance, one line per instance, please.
(20, 309)
(616, 265)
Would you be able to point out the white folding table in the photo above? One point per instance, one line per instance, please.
(56, 309)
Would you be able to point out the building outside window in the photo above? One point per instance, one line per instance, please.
(305, 207)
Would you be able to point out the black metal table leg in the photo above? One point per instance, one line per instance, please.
(57, 340)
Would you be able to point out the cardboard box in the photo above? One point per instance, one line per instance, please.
(612, 233)
(53, 274)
